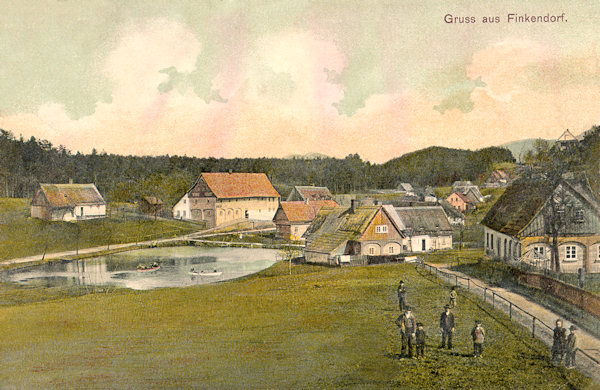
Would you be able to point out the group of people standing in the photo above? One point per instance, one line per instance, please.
(413, 334)
(564, 346)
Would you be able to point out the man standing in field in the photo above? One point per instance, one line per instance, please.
(478, 334)
(558, 342)
(402, 297)
(408, 327)
(447, 327)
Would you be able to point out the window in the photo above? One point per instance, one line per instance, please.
(381, 229)
(579, 216)
(598, 255)
(570, 253)
(183, 213)
(371, 251)
(391, 250)
(492, 241)
(487, 240)
(178, 213)
(539, 252)
(184, 201)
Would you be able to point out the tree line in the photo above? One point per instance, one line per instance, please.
(26, 163)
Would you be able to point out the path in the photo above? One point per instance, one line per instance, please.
(537, 318)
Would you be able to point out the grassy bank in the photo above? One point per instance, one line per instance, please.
(22, 236)
(317, 328)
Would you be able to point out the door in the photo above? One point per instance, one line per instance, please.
(423, 245)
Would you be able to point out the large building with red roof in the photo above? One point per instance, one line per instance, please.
(218, 198)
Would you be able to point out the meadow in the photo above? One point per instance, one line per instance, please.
(21, 235)
(319, 327)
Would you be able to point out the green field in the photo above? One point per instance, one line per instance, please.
(317, 328)
(22, 236)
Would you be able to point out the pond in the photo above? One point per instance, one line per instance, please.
(149, 268)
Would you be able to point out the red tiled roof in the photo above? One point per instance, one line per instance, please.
(239, 185)
(299, 211)
(70, 195)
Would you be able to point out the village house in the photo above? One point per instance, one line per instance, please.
(497, 179)
(218, 198)
(182, 210)
(309, 194)
(460, 202)
(151, 205)
(426, 228)
(294, 217)
(406, 188)
(340, 235)
(455, 217)
(468, 189)
(517, 227)
(67, 202)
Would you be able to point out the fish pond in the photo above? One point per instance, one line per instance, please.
(149, 268)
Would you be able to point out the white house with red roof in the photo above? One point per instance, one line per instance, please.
(218, 198)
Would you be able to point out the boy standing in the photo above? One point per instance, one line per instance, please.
(571, 348)
(402, 296)
(420, 338)
(453, 295)
(478, 334)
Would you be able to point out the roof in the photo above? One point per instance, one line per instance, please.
(153, 200)
(424, 219)
(312, 193)
(71, 195)
(498, 175)
(333, 226)
(517, 206)
(407, 187)
(462, 196)
(450, 210)
(299, 211)
(239, 185)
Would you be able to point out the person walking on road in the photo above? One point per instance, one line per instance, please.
(559, 341)
(478, 335)
(402, 297)
(571, 347)
(447, 327)
(408, 327)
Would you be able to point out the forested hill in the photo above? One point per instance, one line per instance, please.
(26, 163)
(438, 166)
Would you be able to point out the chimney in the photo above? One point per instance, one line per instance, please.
(230, 171)
(70, 180)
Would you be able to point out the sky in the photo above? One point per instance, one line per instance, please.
(269, 78)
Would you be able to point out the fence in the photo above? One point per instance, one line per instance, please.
(537, 327)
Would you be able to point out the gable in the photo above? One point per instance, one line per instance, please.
(381, 219)
(581, 214)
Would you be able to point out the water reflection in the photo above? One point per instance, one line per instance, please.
(178, 267)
